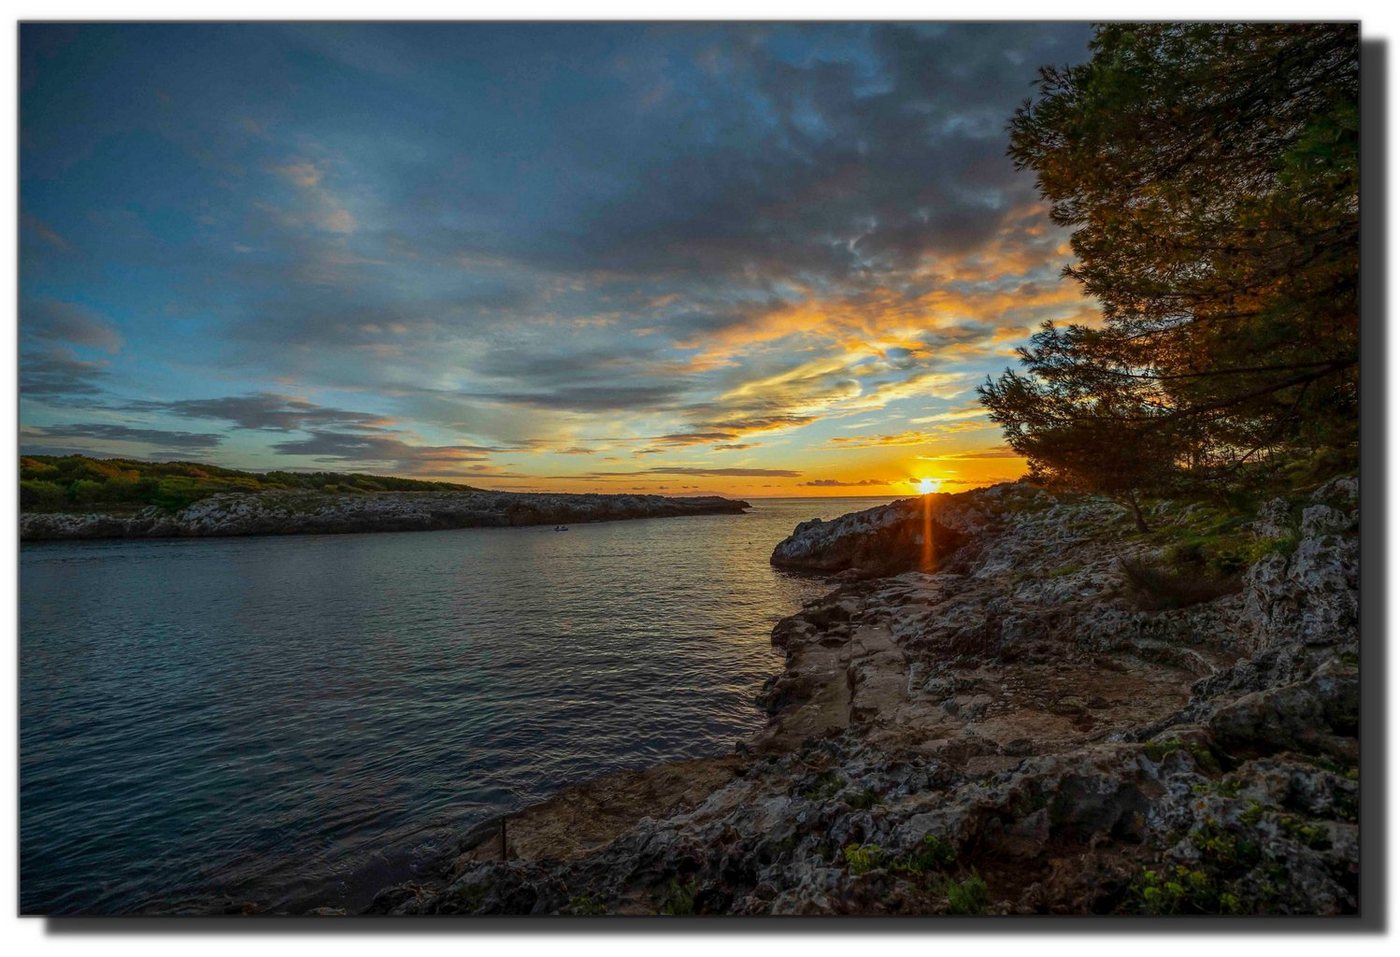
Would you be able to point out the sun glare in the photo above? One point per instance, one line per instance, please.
(928, 485)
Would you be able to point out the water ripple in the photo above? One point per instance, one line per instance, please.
(297, 719)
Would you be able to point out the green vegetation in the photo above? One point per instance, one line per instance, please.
(1210, 175)
(825, 787)
(968, 896)
(863, 799)
(1204, 556)
(1202, 756)
(933, 853)
(1159, 588)
(75, 482)
(1213, 885)
(862, 858)
(1182, 890)
(583, 905)
(678, 899)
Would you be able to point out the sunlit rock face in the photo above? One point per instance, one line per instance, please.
(290, 513)
(1014, 718)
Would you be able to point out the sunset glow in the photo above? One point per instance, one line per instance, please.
(765, 278)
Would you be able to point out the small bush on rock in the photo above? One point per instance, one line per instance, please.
(1159, 588)
(968, 896)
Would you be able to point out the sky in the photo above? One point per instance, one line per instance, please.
(754, 259)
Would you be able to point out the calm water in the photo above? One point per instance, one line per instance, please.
(304, 719)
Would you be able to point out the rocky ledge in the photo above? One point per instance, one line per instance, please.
(997, 726)
(291, 513)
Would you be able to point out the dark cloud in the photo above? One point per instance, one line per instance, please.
(384, 451)
(56, 373)
(272, 412)
(49, 320)
(836, 483)
(688, 470)
(588, 398)
(159, 440)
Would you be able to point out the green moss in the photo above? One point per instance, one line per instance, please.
(1202, 756)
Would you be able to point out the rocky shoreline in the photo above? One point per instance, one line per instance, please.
(299, 513)
(993, 723)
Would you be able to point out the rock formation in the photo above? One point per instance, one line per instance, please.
(997, 727)
(291, 513)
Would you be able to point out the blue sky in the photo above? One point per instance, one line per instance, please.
(758, 259)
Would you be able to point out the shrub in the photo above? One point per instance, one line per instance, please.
(862, 858)
(678, 899)
(38, 494)
(932, 853)
(85, 492)
(583, 905)
(968, 896)
(1159, 588)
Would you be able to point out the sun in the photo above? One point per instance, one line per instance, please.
(928, 486)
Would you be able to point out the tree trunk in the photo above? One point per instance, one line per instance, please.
(1137, 513)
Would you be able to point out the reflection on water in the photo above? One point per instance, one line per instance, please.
(303, 718)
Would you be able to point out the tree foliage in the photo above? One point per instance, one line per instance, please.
(1209, 174)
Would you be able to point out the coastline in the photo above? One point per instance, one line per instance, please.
(1001, 724)
(308, 513)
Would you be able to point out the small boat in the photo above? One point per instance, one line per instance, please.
(561, 528)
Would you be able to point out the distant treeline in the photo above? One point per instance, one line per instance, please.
(58, 483)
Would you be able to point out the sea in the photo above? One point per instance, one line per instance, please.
(283, 722)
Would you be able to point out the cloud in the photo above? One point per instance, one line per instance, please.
(58, 374)
(693, 470)
(990, 453)
(877, 441)
(45, 232)
(158, 439)
(384, 451)
(837, 483)
(55, 321)
(271, 411)
(614, 238)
